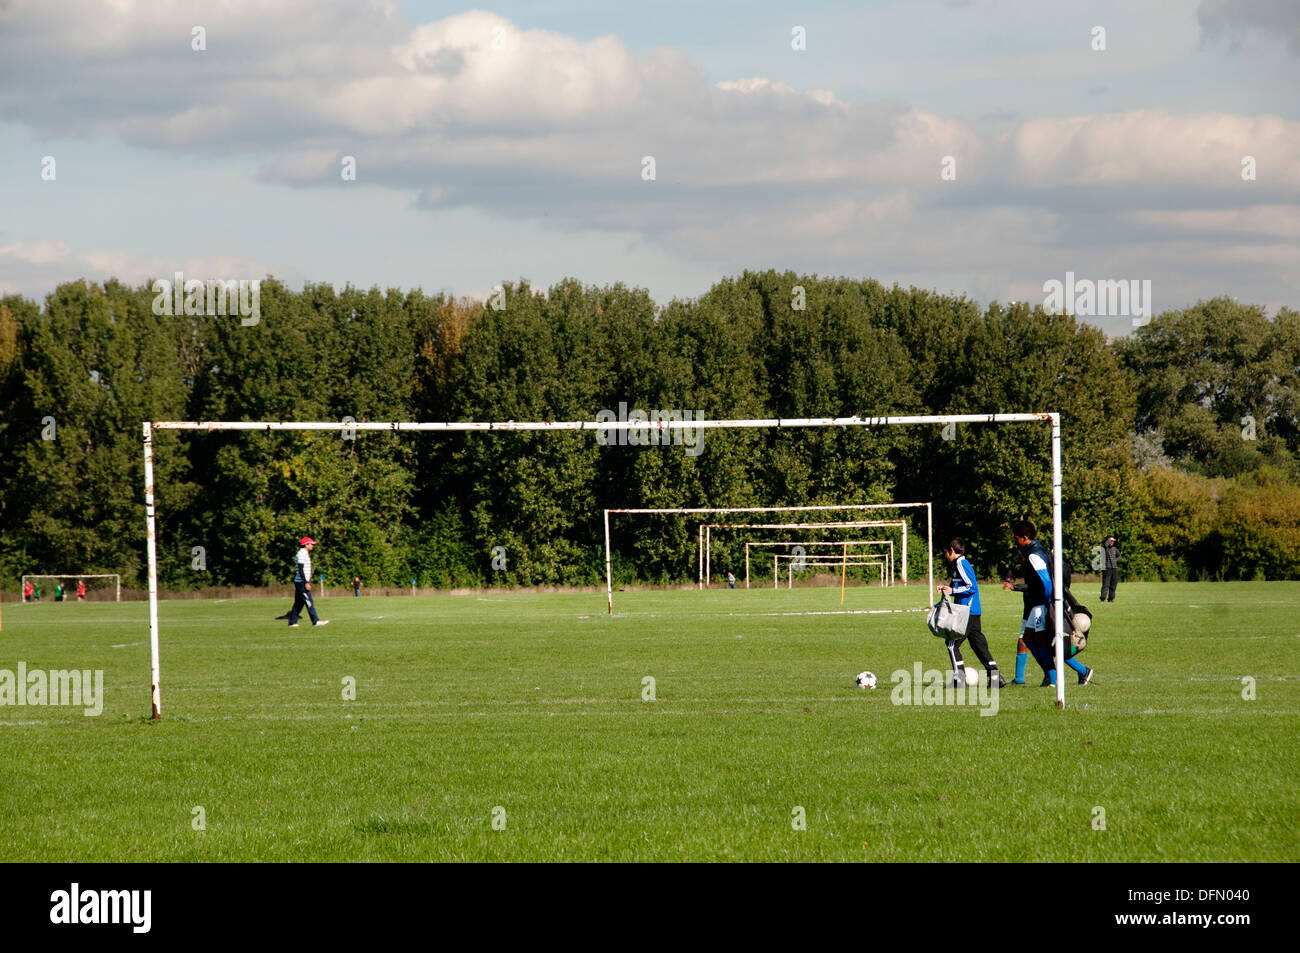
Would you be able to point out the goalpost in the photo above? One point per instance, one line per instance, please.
(886, 554)
(773, 423)
(706, 530)
(116, 577)
(817, 562)
(849, 524)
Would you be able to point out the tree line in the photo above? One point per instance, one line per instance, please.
(1181, 438)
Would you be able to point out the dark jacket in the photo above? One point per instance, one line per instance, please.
(1110, 557)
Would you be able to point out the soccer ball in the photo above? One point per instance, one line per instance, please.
(865, 680)
(972, 675)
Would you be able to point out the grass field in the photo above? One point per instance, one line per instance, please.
(533, 703)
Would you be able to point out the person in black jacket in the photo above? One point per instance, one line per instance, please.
(1109, 569)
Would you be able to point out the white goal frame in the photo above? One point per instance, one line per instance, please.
(705, 570)
(72, 575)
(886, 554)
(706, 530)
(814, 562)
(771, 423)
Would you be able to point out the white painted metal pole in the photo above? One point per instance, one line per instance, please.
(401, 426)
(905, 554)
(747, 565)
(708, 557)
(151, 547)
(699, 558)
(1058, 589)
(609, 569)
(929, 552)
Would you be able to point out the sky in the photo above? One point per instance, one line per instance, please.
(973, 147)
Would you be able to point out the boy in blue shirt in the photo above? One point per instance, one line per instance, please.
(965, 591)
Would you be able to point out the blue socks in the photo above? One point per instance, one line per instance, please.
(1022, 659)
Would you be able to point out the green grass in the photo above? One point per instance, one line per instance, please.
(534, 703)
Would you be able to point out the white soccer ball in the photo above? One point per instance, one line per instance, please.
(972, 675)
(865, 680)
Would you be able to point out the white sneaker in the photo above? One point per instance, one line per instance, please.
(293, 625)
(322, 622)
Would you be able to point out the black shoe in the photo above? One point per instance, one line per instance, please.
(1086, 678)
(1046, 682)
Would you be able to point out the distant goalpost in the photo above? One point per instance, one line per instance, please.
(116, 577)
(817, 562)
(842, 524)
(706, 568)
(886, 554)
(706, 529)
(772, 423)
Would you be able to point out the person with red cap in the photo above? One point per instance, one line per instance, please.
(302, 585)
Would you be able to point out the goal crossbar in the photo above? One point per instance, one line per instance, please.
(763, 423)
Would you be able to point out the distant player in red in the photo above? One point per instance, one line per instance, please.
(27, 592)
(81, 590)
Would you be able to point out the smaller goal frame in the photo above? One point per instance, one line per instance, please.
(826, 561)
(22, 589)
(706, 566)
(888, 555)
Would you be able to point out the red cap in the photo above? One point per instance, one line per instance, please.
(305, 540)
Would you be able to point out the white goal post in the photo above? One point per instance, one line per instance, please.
(859, 544)
(706, 530)
(706, 552)
(817, 562)
(771, 423)
(116, 577)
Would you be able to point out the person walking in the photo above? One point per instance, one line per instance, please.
(302, 585)
(1036, 630)
(965, 591)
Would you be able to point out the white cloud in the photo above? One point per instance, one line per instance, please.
(33, 268)
(472, 111)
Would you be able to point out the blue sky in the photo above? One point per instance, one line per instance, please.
(509, 141)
